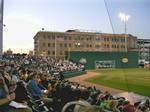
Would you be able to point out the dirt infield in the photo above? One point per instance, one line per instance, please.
(81, 80)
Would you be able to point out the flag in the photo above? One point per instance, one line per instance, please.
(60, 38)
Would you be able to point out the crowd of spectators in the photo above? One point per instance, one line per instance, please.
(38, 84)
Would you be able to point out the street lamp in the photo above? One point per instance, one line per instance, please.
(124, 17)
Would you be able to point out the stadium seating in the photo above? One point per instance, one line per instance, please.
(66, 96)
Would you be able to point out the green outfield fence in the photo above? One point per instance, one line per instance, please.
(96, 60)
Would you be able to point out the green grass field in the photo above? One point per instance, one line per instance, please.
(135, 80)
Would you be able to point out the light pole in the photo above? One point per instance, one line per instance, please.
(1, 26)
(124, 17)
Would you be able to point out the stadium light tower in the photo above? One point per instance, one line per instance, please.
(1, 27)
(124, 17)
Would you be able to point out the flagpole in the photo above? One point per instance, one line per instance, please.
(68, 53)
(55, 47)
(1, 27)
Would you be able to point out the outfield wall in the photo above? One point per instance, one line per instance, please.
(117, 59)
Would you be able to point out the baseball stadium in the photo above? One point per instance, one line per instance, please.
(74, 70)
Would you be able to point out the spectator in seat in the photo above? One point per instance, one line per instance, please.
(103, 103)
(20, 96)
(43, 80)
(127, 107)
(32, 86)
(6, 98)
(36, 92)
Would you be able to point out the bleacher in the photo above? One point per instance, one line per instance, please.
(61, 94)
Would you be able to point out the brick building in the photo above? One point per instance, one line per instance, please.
(56, 44)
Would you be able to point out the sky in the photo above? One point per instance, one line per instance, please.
(24, 18)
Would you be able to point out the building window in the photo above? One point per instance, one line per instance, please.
(65, 37)
(123, 40)
(114, 46)
(53, 44)
(61, 45)
(97, 39)
(48, 52)
(112, 39)
(53, 52)
(107, 39)
(49, 44)
(75, 45)
(117, 40)
(107, 46)
(70, 38)
(53, 37)
(122, 46)
(65, 44)
(117, 46)
(69, 45)
(90, 45)
(97, 46)
(49, 37)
